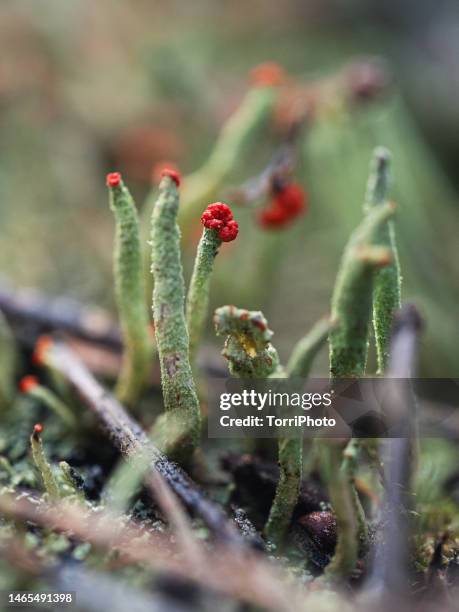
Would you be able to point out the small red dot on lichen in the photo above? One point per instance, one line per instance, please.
(43, 344)
(267, 74)
(113, 179)
(172, 174)
(27, 383)
(37, 428)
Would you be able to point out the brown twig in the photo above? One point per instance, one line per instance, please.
(127, 435)
(30, 308)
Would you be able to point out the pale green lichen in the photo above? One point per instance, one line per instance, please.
(342, 500)
(197, 304)
(54, 403)
(43, 466)
(250, 354)
(130, 297)
(387, 281)
(305, 351)
(353, 294)
(291, 448)
(179, 390)
(352, 307)
(248, 347)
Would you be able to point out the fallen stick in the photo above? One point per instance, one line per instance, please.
(131, 440)
(32, 308)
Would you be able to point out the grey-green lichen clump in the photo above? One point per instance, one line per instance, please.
(387, 281)
(353, 294)
(130, 293)
(179, 391)
(248, 347)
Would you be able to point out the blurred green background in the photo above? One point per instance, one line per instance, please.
(88, 87)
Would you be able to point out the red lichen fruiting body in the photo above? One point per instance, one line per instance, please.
(219, 217)
(37, 428)
(289, 201)
(172, 174)
(113, 179)
(291, 198)
(216, 212)
(157, 170)
(229, 231)
(43, 344)
(27, 383)
(273, 217)
(267, 74)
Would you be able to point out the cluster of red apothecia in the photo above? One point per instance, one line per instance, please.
(289, 200)
(219, 217)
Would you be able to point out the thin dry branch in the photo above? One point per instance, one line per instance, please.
(127, 435)
(389, 577)
(45, 314)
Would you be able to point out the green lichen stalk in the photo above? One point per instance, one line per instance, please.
(250, 354)
(387, 281)
(290, 457)
(49, 399)
(291, 449)
(198, 292)
(342, 500)
(351, 307)
(41, 462)
(349, 467)
(130, 294)
(353, 295)
(219, 227)
(248, 347)
(179, 391)
(305, 351)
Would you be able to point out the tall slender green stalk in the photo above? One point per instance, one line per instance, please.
(219, 227)
(291, 448)
(305, 351)
(353, 295)
(130, 294)
(179, 391)
(388, 280)
(42, 464)
(352, 303)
